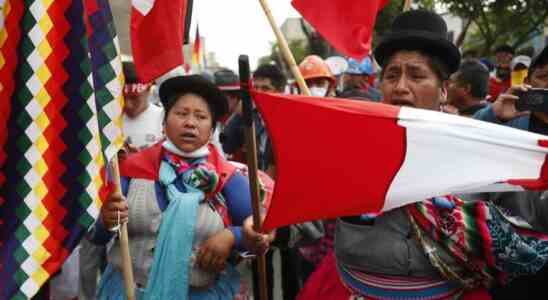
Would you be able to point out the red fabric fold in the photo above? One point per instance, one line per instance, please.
(157, 38)
(541, 183)
(329, 151)
(345, 24)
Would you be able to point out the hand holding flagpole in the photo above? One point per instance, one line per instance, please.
(127, 268)
(251, 152)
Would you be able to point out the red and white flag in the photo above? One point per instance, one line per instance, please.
(338, 157)
(345, 24)
(157, 36)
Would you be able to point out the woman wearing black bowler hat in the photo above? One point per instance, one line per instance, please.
(440, 248)
(185, 205)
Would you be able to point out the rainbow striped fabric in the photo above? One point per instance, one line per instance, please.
(60, 122)
(384, 287)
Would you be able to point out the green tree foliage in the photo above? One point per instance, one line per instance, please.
(298, 48)
(487, 24)
(390, 11)
(512, 22)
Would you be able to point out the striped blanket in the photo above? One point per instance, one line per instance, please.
(475, 243)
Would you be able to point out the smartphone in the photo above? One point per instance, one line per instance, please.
(533, 100)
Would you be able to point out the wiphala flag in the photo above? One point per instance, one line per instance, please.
(60, 123)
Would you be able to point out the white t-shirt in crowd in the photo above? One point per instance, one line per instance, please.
(147, 128)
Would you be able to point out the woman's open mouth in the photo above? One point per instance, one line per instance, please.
(402, 102)
(188, 137)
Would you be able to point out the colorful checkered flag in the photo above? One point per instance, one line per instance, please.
(60, 123)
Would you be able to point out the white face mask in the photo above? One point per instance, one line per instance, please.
(318, 91)
(200, 152)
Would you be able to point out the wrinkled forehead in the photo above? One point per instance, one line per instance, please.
(408, 59)
(191, 101)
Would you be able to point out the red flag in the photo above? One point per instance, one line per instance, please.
(338, 157)
(157, 36)
(345, 24)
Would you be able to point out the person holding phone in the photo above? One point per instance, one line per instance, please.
(532, 206)
(505, 109)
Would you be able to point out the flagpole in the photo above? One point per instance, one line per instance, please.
(286, 52)
(251, 153)
(127, 268)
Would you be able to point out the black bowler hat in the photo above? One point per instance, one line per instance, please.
(419, 30)
(173, 88)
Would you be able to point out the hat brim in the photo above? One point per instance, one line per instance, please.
(194, 84)
(422, 41)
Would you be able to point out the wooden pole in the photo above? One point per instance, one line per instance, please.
(407, 5)
(127, 268)
(251, 153)
(286, 52)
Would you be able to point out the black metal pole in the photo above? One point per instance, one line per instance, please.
(251, 153)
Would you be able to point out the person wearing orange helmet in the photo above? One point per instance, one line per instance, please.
(318, 77)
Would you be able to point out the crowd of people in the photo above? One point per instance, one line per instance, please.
(185, 193)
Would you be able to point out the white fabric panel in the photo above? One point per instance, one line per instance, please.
(147, 128)
(452, 154)
(143, 6)
(492, 188)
